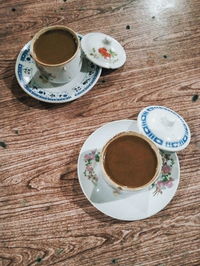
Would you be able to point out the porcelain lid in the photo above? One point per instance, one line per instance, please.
(167, 129)
(103, 50)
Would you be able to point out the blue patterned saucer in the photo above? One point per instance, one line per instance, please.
(33, 84)
(167, 129)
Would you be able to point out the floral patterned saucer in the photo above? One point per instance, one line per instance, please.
(33, 84)
(124, 206)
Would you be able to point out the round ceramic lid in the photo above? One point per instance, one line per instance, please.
(103, 50)
(167, 129)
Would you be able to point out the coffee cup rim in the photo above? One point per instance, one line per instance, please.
(49, 28)
(126, 188)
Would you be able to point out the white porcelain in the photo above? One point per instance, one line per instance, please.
(62, 72)
(167, 129)
(103, 50)
(132, 206)
(30, 80)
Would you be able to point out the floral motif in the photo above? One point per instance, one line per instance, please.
(29, 59)
(103, 52)
(27, 71)
(165, 180)
(90, 158)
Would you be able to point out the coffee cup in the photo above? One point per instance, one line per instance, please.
(57, 54)
(130, 162)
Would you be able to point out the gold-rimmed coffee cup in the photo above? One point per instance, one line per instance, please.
(130, 162)
(64, 69)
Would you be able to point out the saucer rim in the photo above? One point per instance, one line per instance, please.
(54, 101)
(112, 216)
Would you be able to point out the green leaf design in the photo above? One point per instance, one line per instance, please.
(165, 179)
(112, 53)
(89, 173)
(97, 157)
(94, 53)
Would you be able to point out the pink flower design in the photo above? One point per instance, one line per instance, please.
(169, 183)
(91, 156)
(89, 168)
(86, 157)
(90, 159)
(166, 180)
(166, 169)
(160, 184)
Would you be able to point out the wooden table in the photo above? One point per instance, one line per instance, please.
(45, 218)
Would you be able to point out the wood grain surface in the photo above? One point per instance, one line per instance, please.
(45, 218)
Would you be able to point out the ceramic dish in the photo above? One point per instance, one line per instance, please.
(32, 83)
(137, 205)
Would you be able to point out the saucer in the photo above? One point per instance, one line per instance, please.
(33, 84)
(124, 206)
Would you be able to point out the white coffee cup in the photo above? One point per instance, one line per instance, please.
(65, 71)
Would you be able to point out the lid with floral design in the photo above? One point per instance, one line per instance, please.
(103, 50)
(167, 129)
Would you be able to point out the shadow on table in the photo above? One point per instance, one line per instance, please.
(106, 72)
(11, 83)
(79, 199)
(87, 207)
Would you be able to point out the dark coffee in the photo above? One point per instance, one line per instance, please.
(130, 161)
(55, 46)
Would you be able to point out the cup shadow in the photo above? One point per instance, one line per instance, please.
(11, 82)
(71, 190)
(81, 202)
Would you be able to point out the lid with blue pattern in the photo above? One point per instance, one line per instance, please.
(167, 129)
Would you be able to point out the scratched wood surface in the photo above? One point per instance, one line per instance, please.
(44, 217)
